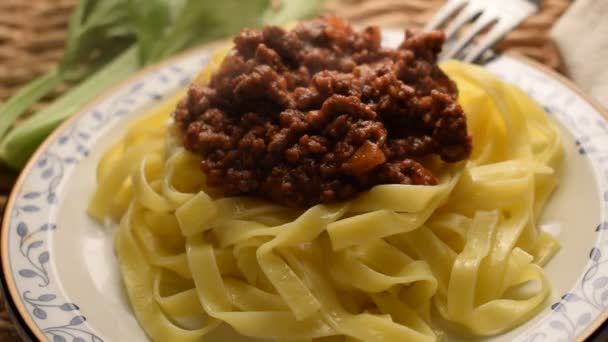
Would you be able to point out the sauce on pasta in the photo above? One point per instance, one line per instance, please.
(322, 112)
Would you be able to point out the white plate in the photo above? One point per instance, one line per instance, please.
(61, 272)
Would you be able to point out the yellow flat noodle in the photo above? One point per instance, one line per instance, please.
(109, 158)
(195, 215)
(144, 136)
(545, 249)
(233, 232)
(363, 326)
(103, 198)
(175, 186)
(150, 168)
(351, 271)
(451, 228)
(139, 276)
(246, 260)
(182, 303)
(217, 303)
(401, 313)
(306, 228)
(373, 268)
(463, 278)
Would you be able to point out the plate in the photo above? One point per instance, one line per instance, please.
(61, 273)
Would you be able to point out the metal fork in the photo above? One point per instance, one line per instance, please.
(504, 15)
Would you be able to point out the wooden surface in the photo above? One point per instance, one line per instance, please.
(33, 32)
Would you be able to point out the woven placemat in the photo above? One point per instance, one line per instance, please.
(33, 32)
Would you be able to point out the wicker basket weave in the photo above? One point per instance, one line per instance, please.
(32, 35)
(33, 32)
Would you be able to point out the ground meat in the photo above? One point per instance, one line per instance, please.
(322, 112)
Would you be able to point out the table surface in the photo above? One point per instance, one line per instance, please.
(32, 34)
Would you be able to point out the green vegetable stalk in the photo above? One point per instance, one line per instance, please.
(28, 95)
(22, 141)
(110, 39)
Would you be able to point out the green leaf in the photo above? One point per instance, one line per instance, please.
(292, 10)
(105, 53)
(203, 20)
(93, 23)
(150, 19)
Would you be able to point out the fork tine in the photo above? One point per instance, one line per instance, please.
(472, 9)
(511, 14)
(444, 13)
(496, 34)
(487, 42)
(485, 20)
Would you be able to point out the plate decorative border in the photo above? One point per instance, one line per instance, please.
(28, 222)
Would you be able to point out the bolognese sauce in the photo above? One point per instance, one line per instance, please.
(322, 112)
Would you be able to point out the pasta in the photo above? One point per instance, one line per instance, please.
(373, 268)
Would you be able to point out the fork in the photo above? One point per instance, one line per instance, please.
(502, 15)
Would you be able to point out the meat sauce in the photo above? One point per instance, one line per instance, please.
(322, 112)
